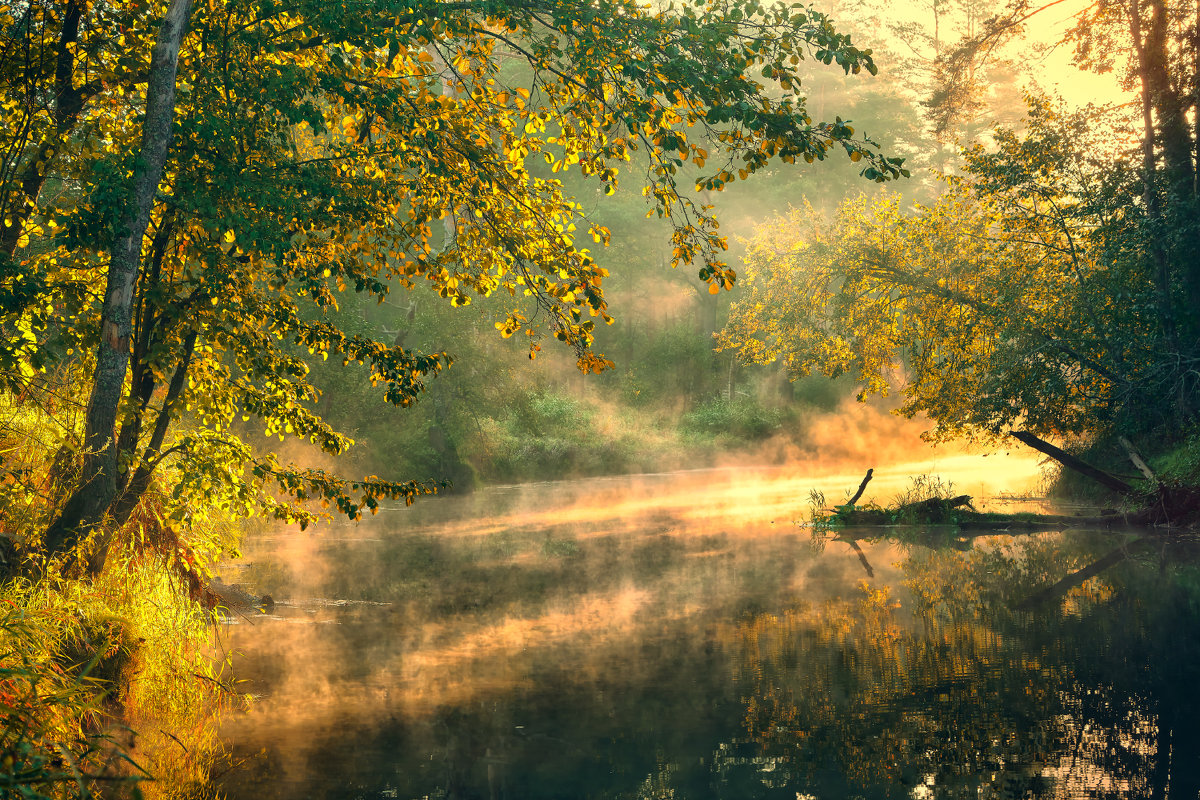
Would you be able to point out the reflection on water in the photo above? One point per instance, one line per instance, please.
(683, 637)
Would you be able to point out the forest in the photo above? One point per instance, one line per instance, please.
(286, 264)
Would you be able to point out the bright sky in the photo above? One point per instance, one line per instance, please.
(1053, 72)
(1056, 73)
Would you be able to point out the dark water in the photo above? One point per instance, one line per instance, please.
(683, 637)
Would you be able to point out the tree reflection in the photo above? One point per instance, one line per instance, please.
(946, 687)
(704, 664)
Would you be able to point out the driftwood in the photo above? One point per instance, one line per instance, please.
(961, 512)
(862, 487)
(937, 505)
(1137, 460)
(933, 510)
(1166, 505)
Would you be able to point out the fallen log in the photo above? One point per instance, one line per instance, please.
(1137, 460)
(1071, 462)
(934, 510)
(960, 511)
(1168, 505)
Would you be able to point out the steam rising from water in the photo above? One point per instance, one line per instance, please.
(459, 598)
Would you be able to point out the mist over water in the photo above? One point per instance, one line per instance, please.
(688, 634)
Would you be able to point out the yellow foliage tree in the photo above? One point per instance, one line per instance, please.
(178, 179)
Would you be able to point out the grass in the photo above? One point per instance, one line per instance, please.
(927, 500)
(106, 689)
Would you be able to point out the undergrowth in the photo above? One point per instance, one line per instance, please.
(107, 689)
(108, 685)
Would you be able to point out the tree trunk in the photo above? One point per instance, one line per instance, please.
(1174, 232)
(86, 508)
(1150, 194)
(69, 100)
(1071, 462)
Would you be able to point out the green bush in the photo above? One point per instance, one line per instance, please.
(742, 418)
(1181, 463)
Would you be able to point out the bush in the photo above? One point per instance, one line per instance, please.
(742, 418)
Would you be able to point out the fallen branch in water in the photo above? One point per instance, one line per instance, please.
(959, 510)
(931, 510)
(1071, 462)
(1160, 504)
(862, 487)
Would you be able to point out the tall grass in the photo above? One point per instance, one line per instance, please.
(107, 684)
(106, 689)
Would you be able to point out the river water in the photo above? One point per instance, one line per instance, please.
(690, 636)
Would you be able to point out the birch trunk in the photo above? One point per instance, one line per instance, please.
(88, 505)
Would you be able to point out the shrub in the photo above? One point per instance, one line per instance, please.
(741, 418)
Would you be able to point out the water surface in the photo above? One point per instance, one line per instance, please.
(687, 636)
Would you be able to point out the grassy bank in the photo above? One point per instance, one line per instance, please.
(108, 685)
(107, 688)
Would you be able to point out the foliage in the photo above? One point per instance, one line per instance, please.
(88, 660)
(1054, 289)
(667, 364)
(322, 149)
(1017, 299)
(550, 435)
(739, 418)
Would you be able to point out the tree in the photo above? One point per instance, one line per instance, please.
(289, 153)
(1154, 47)
(1018, 300)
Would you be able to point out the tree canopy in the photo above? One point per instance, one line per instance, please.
(187, 189)
(1053, 288)
(1014, 300)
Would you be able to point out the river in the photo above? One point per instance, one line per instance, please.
(689, 635)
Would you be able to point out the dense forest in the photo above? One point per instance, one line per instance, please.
(267, 262)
